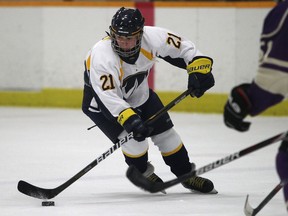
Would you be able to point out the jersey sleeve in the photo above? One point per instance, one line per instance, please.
(173, 48)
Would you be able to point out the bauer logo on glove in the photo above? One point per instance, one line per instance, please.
(200, 65)
(200, 77)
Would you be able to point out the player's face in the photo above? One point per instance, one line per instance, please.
(126, 43)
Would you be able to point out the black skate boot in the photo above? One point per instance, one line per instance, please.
(197, 183)
(151, 176)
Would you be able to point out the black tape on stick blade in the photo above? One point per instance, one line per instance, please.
(48, 203)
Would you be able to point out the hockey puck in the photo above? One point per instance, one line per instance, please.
(48, 203)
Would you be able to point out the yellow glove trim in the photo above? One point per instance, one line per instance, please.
(200, 65)
(124, 115)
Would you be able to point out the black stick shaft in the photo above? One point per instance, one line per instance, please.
(153, 187)
(240, 153)
(270, 196)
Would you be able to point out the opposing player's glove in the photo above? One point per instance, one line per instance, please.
(237, 108)
(132, 122)
(200, 77)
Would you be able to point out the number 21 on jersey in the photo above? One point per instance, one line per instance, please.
(107, 82)
(174, 40)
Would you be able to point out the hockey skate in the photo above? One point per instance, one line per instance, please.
(200, 184)
(151, 176)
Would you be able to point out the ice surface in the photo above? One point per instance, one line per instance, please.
(46, 147)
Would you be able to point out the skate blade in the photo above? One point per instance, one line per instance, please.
(214, 191)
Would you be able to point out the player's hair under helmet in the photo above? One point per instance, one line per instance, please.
(128, 23)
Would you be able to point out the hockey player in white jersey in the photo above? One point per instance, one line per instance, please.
(118, 100)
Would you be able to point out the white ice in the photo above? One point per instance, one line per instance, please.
(46, 147)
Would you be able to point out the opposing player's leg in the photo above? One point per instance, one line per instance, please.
(282, 166)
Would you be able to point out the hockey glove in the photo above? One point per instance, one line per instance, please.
(132, 122)
(200, 77)
(237, 108)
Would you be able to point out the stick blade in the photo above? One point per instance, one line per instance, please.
(248, 210)
(34, 191)
(140, 181)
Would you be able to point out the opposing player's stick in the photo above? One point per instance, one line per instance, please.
(42, 193)
(139, 180)
(249, 211)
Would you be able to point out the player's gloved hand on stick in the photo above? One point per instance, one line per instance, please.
(237, 108)
(132, 122)
(200, 77)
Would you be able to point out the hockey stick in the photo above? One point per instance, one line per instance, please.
(42, 193)
(153, 187)
(249, 211)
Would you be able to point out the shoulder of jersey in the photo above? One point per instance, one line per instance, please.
(103, 47)
(272, 22)
(103, 54)
(102, 44)
(153, 30)
(154, 35)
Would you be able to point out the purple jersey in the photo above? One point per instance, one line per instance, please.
(270, 85)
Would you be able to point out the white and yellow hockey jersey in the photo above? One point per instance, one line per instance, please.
(119, 85)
